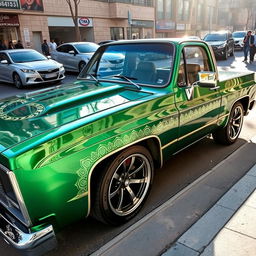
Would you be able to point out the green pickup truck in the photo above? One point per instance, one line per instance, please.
(91, 147)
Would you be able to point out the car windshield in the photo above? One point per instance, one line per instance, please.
(26, 56)
(239, 34)
(133, 63)
(86, 48)
(215, 37)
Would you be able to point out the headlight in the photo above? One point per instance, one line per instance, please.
(221, 46)
(61, 67)
(31, 71)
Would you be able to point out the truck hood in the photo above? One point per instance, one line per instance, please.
(25, 116)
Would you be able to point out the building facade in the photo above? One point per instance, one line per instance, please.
(177, 18)
(98, 20)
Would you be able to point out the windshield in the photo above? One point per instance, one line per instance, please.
(239, 34)
(86, 48)
(148, 64)
(26, 56)
(215, 37)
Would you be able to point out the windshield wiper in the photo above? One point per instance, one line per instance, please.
(93, 77)
(128, 79)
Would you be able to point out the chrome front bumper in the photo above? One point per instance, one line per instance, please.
(30, 244)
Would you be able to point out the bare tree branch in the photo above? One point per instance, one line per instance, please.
(73, 7)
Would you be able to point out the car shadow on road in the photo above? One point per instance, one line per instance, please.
(87, 236)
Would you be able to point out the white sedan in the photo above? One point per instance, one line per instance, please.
(28, 67)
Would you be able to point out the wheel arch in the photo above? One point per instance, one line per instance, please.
(245, 103)
(151, 143)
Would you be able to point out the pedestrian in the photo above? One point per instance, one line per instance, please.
(52, 46)
(2, 46)
(45, 48)
(248, 43)
(253, 49)
(19, 45)
(10, 45)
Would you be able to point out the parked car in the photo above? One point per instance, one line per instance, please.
(28, 67)
(91, 147)
(222, 43)
(239, 39)
(74, 56)
(106, 42)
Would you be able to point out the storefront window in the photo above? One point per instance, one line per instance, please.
(117, 33)
(134, 33)
(7, 34)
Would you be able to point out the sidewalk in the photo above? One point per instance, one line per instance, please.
(208, 217)
(215, 234)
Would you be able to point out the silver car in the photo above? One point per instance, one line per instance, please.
(74, 56)
(27, 67)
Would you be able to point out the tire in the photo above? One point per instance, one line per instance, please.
(81, 66)
(229, 134)
(123, 187)
(17, 81)
(232, 52)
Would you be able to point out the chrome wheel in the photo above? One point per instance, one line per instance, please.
(123, 185)
(129, 184)
(17, 81)
(229, 134)
(235, 123)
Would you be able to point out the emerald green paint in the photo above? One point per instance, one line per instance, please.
(52, 140)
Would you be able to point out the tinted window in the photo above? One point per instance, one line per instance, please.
(26, 56)
(215, 37)
(239, 34)
(86, 48)
(61, 48)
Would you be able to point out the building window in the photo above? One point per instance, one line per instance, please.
(160, 9)
(135, 2)
(168, 7)
(117, 33)
(183, 10)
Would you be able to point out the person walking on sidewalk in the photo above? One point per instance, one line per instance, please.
(45, 48)
(248, 42)
(253, 49)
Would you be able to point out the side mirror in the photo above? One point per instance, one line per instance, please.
(49, 57)
(4, 62)
(207, 79)
(72, 52)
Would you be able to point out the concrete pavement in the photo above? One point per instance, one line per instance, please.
(179, 228)
(228, 228)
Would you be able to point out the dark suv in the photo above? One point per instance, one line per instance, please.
(222, 43)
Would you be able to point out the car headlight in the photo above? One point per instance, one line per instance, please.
(221, 46)
(61, 67)
(31, 71)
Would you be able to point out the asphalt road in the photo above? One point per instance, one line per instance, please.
(88, 235)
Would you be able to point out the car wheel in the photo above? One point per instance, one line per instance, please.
(124, 186)
(17, 81)
(81, 66)
(229, 134)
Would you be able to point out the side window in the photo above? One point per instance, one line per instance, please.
(69, 48)
(196, 61)
(3, 57)
(60, 48)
